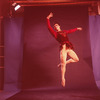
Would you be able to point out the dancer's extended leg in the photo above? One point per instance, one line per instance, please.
(63, 56)
(63, 70)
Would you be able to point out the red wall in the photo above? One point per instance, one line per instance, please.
(41, 50)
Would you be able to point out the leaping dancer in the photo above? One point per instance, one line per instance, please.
(66, 47)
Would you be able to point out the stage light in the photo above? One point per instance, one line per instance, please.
(17, 7)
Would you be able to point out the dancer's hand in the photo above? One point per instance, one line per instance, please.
(50, 15)
(79, 28)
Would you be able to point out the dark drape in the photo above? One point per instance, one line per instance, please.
(41, 50)
(13, 52)
(94, 23)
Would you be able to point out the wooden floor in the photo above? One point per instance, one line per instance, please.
(57, 94)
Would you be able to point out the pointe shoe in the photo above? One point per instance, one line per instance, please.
(63, 83)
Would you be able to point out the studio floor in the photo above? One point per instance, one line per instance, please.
(52, 94)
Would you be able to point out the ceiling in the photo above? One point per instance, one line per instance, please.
(6, 5)
(52, 2)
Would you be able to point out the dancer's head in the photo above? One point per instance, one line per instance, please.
(57, 27)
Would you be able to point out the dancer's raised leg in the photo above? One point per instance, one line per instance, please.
(73, 57)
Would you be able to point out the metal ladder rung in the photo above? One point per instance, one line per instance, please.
(1, 66)
(1, 56)
(1, 46)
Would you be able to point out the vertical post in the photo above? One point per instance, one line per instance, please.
(1, 54)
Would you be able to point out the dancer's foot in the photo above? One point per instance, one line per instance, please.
(63, 82)
(59, 65)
